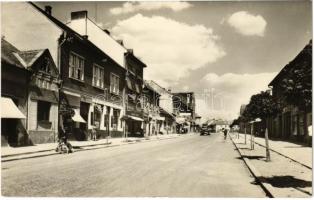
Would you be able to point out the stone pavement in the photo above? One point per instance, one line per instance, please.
(39, 150)
(296, 152)
(281, 177)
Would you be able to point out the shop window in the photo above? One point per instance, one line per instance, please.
(76, 67)
(43, 111)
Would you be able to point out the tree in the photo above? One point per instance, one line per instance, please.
(296, 87)
(262, 106)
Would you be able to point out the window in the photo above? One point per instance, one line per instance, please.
(45, 66)
(114, 83)
(114, 119)
(137, 88)
(43, 110)
(76, 67)
(98, 76)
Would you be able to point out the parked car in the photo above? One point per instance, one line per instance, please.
(205, 130)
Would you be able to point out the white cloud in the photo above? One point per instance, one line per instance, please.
(248, 24)
(233, 90)
(169, 48)
(130, 7)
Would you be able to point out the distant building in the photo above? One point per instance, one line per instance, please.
(165, 103)
(221, 124)
(184, 105)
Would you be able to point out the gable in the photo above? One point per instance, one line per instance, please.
(45, 64)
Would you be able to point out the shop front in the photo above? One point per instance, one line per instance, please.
(10, 122)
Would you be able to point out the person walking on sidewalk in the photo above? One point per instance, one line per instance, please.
(225, 131)
(93, 134)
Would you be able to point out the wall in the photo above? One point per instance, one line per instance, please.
(101, 39)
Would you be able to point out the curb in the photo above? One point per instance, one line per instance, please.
(265, 186)
(96, 146)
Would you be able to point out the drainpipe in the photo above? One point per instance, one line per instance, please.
(60, 80)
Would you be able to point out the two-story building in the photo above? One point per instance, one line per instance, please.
(151, 100)
(40, 95)
(91, 65)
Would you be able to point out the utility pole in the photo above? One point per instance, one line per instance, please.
(267, 146)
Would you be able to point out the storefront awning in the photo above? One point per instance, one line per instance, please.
(10, 110)
(180, 120)
(77, 117)
(136, 118)
(160, 118)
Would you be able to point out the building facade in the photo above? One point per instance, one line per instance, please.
(184, 105)
(293, 122)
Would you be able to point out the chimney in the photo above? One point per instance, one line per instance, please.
(48, 9)
(130, 51)
(120, 42)
(107, 31)
(79, 15)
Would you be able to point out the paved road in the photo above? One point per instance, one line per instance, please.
(188, 166)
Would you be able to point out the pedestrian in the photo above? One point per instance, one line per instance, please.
(225, 131)
(94, 134)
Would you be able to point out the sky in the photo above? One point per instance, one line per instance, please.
(222, 51)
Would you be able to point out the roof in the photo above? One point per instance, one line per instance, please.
(132, 56)
(21, 59)
(7, 53)
(28, 56)
(305, 54)
(71, 31)
(151, 82)
(148, 86)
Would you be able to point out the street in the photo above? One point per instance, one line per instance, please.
(188, 166)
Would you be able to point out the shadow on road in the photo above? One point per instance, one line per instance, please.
(251, 157)
(286, 181)
(244, 148)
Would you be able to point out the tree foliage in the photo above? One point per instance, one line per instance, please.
(296, 87)
(261, 105)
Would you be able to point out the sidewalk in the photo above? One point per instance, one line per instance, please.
(281, 177)
(296, 152)
(39, 150)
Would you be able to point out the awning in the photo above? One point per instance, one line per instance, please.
(136, 118)
(77, 117)
(160, 118)
(70, 99)
(180, 120)
(10, 110)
